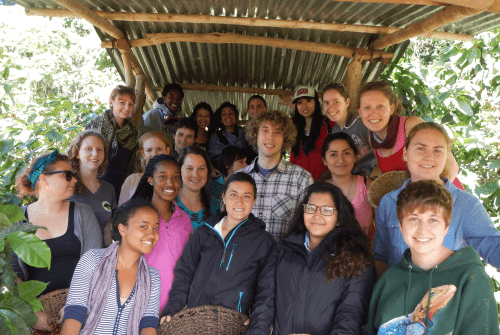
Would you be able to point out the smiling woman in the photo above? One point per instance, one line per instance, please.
(120, 134)
(324, 261)
(243, 278)
(71, 227)
(159, 184)
(88, 155)
(119, 271)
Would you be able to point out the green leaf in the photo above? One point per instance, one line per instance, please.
(7, 88)
(30, 249)
(7, 327)
(6, 73)
(14, 213)
(25, 227)
(36, 304)
(32, 117)
(31, 289)
(464, 107)
(4, 221)
(20, 313)
(494, 165)
(2, 245)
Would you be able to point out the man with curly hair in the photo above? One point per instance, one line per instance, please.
(280, 184)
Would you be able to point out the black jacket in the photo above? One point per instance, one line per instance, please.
(233, 272)
(306, 303)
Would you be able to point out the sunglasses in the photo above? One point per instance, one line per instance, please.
(324, 210)
(68, 174)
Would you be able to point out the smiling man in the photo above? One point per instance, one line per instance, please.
(164, 109)
(184, 135)
(280, 184)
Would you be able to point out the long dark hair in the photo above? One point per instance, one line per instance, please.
(206, 106)
(144, 189)
(300, 123)
(348, 252)
(205, 192)
(218, 114)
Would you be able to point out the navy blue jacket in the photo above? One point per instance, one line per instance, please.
(233, 272)
(306, 302)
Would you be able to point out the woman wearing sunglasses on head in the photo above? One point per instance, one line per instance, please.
(324, 271)
(71, 227)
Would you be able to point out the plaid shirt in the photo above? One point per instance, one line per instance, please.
(278, 194)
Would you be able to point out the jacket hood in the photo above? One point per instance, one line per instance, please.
(465, 256)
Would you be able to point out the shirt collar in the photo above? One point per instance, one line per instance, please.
(306, 243)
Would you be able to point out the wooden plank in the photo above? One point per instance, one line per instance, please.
(447, 15)
(129, 71)
(231, 38)
(492, 6)
(231, 89)
(244, 21)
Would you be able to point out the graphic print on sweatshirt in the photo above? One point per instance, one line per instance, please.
(416, 323)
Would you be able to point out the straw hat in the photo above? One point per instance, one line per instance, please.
(384, 184)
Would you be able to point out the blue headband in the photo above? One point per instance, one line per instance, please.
(40, 165)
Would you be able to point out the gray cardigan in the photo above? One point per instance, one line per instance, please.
(86, 230)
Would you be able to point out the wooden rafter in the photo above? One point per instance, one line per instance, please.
(243, 21)
(85, 13)
(231, 89)
(231, 38)
(492, 6)
(447, 15)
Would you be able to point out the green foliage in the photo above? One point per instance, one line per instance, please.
(18, 303)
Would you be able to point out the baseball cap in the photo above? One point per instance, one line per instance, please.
(304, 92)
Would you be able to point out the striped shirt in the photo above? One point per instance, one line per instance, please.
(115, 315)
(278, 194)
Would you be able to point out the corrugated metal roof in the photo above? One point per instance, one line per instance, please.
(259, 66)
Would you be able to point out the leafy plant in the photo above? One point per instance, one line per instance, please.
(18, 303)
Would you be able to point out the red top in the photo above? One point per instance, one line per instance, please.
(395, 162)
(313, 162)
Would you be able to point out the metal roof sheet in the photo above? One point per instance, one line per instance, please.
(260, 66)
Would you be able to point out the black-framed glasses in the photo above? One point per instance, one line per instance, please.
(68, 174)
(324, 210)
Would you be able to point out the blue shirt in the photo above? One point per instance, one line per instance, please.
(469, 225)
(306, 243)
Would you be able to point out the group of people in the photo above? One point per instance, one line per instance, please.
(201, 211)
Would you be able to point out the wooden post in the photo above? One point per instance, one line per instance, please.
(140, 98)
(129, 71)
(447, 15)
(353, 77)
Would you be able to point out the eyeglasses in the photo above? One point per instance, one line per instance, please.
(324, 210)
(68, 174)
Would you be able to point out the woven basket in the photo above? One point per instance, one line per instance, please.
(205, 320)
(52, 302)
(384, 184)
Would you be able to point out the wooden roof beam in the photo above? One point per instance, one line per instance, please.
(492, 6)
(244, 21)
(83, 12)
(231, 89)
(231, 38)
(447, 15)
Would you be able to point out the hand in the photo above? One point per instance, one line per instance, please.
(247, 322)
(216, 173)
(43, 322)
(286, 101)
(167, 318)
(61, 316)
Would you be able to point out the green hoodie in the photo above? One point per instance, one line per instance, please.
(461, 302)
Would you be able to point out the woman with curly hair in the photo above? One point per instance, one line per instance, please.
(70, 230)
(88, 155)
(324, 273)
